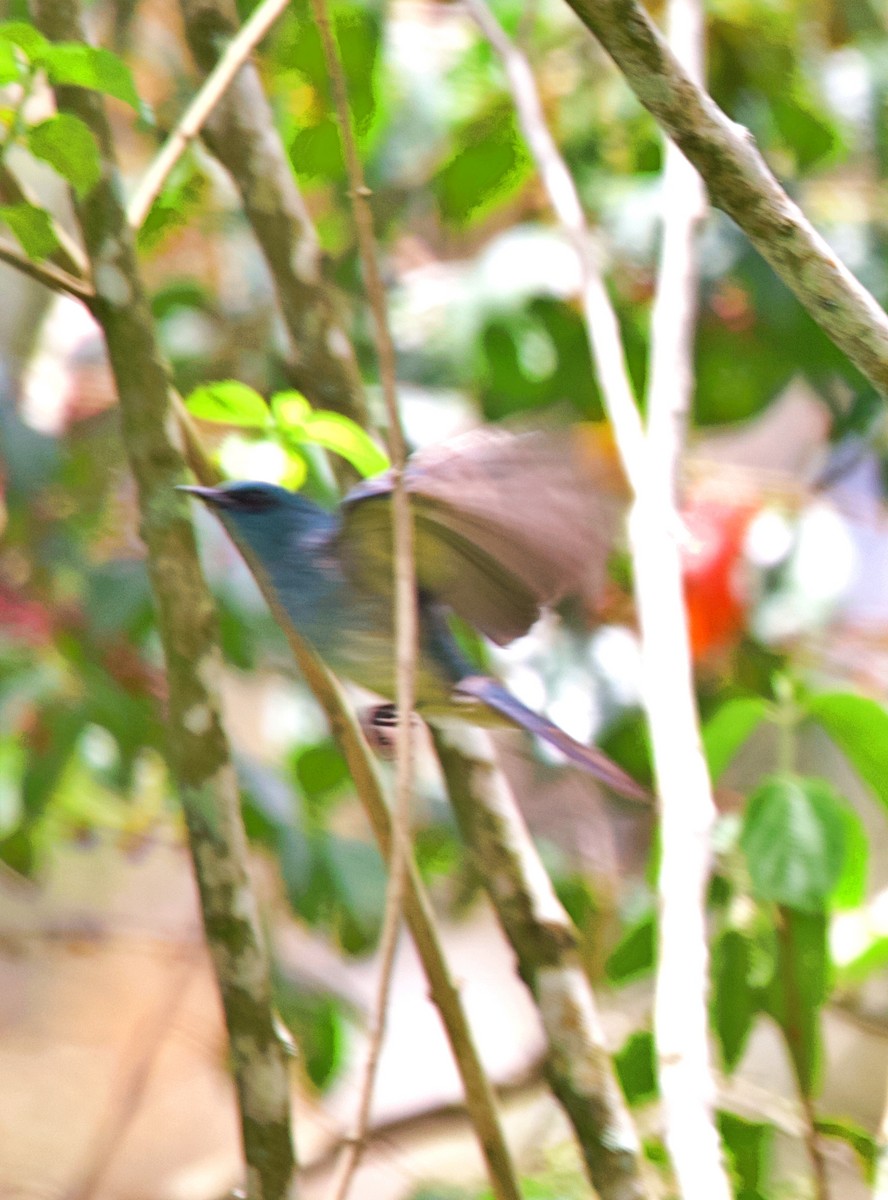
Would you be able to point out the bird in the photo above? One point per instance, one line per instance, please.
(506, 524)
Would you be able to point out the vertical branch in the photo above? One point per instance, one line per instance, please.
(681, 1018)
(197, 748)
(668, 685)
(406, 616)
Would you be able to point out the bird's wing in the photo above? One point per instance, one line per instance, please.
(505, 524)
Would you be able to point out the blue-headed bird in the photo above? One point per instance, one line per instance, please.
(505, 525)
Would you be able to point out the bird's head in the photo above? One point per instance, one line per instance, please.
(263, 513)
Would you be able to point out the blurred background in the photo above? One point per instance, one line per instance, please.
(111, 1040)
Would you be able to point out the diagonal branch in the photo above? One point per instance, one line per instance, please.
(240, 132)
(740, 183)
(191, 122)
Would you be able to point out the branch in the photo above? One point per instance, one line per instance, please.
(67, 255)
(578, 1065)
(688, 811)
(198, 751)
(192, 120)
(444, 992)
(688, 814)
(53, 277)
(404, 578)
(741, 184)
(241, 133)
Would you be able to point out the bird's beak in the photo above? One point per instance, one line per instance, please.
(207, 494)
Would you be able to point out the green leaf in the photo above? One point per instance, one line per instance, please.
(798, 990)
(296, 419)
(68, 145)
(729, 727)
(489, 163)
(859, 727)
(634, 953)
(635, 1064)
(794, 839)
(735, 1002)
(850, 891)
(749, 1145)
(32, 227)
(26, 37)
(861, 1142)
(90, 67)
(10, 68)
(229, 402)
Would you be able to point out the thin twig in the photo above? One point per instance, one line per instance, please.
(741, 184)
(688, 814)
(406, 616)
(602, 326)
(668, 692)
(444, 992)
(67, 253)
(241, 133)
(192, 120)
(51, 276)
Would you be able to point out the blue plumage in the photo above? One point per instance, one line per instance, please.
(332, 576)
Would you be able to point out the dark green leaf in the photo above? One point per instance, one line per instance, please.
(735, 1001)
(634, 954)
(728, 728)
(68, 145)
(490, 162)
(635, 1064)
(859, 727)
(794, 839)
(32, 227)
(749, 1145)
(229, 402)
(798, 990)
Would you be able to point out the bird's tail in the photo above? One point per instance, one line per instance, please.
(491, 693)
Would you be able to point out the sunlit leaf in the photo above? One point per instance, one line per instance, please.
(26, 37)
(229, 402)
(70, 148)
(90, 67)
(295, 417)
(10, 68)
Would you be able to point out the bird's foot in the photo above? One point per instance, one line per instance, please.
(380, 726)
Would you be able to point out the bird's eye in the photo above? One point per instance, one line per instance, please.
(251, 499)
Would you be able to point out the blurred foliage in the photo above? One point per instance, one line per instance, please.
(487, 323)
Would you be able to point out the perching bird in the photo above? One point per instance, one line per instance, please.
(505, 524)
